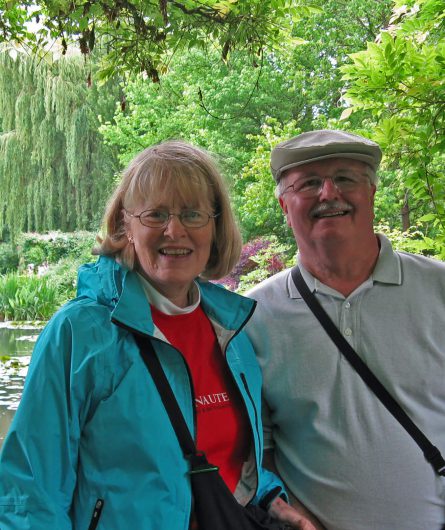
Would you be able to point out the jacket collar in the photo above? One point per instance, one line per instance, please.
(120, 289)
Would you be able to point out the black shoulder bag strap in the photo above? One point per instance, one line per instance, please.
(431, 453)
(198, 460)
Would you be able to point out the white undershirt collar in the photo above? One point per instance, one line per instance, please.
(164, 305)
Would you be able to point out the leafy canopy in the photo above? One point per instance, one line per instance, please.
(399, 81)
(141, 35)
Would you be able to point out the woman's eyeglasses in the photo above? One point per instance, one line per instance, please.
(160, 217)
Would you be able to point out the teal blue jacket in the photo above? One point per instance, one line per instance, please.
(91, 424)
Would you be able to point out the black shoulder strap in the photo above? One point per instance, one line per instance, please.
(178, 422)
(431, 453)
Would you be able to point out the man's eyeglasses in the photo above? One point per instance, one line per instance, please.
(160, 217)
(312, 186)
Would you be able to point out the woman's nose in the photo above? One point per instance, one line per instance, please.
(174, 227)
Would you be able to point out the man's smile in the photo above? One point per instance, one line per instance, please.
(331, 209)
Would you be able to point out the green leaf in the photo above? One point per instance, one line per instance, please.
(427, 217)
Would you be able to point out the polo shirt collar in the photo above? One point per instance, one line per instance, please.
(387, 270)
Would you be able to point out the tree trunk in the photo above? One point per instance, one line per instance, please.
(405, 213)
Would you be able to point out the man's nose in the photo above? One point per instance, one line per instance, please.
(328, 190)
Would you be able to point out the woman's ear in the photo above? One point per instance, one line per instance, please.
(126, 222)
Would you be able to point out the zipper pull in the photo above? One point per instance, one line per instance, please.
(96, 514)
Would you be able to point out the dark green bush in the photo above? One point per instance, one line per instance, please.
(9, 258)
(38, 249)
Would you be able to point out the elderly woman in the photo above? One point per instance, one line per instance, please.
(91, 445)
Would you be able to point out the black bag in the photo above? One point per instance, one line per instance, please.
(214, 505)
(216, 508)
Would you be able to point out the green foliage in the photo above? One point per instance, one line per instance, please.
(37, 295)
(341, 28)
(269, 260)
(413, 240)
(63, 275)
(52, 247)
(206, 102)
(399, 82)
(257, 207)
(141, 36)
(227, 107)
(9, 258)
(27, 298)
(55, 171)
(13, 17)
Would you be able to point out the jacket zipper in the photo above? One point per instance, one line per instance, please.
(243, 378)
(96, 514)
(246, 388)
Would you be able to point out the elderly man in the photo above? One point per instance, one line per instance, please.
(340, 451)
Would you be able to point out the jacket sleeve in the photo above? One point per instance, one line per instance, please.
(39, 456)
(270, 487)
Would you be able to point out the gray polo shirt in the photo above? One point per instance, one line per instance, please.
(337, 448)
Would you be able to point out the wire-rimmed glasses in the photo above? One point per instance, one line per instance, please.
(312, 185)
(160, 217)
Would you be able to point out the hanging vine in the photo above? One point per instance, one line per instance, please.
(55, 171)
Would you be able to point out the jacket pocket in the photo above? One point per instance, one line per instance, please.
(96, 514)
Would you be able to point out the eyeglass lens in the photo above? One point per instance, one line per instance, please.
(159, 217)
(313, 185)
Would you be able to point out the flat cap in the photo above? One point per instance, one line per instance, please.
(318, 145)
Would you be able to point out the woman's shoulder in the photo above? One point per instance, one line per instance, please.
(80, 313)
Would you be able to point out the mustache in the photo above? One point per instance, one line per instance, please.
(330, 205)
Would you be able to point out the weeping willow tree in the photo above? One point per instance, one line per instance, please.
(55, 171)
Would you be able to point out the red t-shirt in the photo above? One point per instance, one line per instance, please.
(222, 423)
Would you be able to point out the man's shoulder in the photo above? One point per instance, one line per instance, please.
(421, 263)
(273, 284)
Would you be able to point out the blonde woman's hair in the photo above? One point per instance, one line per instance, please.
(189, 174)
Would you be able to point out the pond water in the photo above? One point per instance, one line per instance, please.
(16, 344)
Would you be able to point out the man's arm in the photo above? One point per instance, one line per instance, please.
(295, 514)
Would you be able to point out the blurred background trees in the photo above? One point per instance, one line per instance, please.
(86, 85)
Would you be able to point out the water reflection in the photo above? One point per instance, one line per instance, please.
(16, 344)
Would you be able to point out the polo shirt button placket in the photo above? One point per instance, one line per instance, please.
(347, 330)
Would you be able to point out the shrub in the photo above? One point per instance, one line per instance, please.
(269, 260)
(52, 247)
(38, 296)
(260, 258)
(9, 258)
(413, 240)
(28, 297)
(64, 274)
